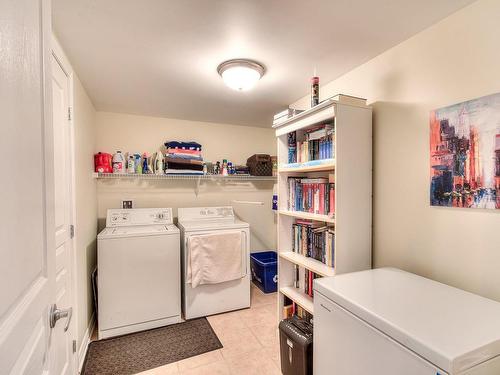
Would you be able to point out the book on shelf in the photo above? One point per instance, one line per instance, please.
(312, 195)
(302, 313)
(309, 277)
(315, 240)
(318, 144)
(288, 311)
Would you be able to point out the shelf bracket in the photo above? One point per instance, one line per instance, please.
(197, 188)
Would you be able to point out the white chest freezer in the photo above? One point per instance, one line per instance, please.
(387, 321)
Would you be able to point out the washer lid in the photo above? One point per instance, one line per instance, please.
(453, 329)
(138, 231)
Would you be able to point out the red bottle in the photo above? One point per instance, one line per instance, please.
(102, 162)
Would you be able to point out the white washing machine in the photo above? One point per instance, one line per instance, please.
(138, 260)
(212, 299)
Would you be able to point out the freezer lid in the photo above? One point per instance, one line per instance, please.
(453, 329)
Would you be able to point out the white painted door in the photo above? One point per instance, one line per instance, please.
(63, 333)
(27, 266)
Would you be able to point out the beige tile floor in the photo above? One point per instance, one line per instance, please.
(250, 339)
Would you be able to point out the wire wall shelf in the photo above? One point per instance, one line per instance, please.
(194, 177)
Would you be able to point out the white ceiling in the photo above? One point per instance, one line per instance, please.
(159, 57)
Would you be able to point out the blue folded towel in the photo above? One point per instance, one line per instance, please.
(184, 157)
(185, 145)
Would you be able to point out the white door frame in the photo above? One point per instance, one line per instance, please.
(25, 335)
(60, 56)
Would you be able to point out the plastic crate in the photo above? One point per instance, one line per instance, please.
(264, 266)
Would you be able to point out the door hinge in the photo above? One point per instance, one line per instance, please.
(74, 346)
(72, 231)
(69, 114)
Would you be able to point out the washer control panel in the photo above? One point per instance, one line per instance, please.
(138, 216)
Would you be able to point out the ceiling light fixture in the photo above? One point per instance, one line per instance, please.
(240, 74)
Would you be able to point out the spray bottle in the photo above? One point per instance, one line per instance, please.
(144, 163)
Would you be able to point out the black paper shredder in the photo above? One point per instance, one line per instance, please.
(296, 346)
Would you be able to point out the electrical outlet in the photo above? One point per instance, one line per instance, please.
(127, 203)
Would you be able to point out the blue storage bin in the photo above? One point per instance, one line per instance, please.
(264, 267)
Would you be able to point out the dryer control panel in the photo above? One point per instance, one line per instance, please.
(224, 214)
(138, 216)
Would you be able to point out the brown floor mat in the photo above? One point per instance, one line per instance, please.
(136, 352)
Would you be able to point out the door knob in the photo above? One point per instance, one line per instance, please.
(56, 314)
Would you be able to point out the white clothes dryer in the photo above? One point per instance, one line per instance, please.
(212, 299)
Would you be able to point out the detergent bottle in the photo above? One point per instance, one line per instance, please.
(158, 164)
(130, 164)
(118, 162)
(138, 164)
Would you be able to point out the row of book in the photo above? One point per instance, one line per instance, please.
(297, 310)
(313, 195)
(315, 240)
(318, 144)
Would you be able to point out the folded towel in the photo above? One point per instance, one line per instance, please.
(186, 145)
(214, 258)
(181, 151)
(185, 156)
(187, 161)
(193, 167)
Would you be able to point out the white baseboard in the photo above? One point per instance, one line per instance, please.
(82, 351)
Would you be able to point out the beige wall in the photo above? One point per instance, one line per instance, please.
(130, 133)
(86, 203)
(455, 60)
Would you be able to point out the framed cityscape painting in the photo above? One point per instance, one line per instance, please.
(465, 154)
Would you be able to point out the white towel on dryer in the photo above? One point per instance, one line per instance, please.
(214, 258)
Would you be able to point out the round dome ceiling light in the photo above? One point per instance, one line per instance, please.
(240, 74)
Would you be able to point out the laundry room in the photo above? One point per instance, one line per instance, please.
(249, 187)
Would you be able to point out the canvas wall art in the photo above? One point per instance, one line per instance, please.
(465, 154)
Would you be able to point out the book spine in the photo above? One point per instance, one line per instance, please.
(332, 199)
(310, 281)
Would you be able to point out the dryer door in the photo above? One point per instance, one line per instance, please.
(209, 299)
(209, 242)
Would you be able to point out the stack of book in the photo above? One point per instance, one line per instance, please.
(313, 195)
(309, 277)
(282, 116)
(319, 144)
(315, 240)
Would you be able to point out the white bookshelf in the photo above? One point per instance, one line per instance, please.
(308, 216)
(309, 263)
(352, 170)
